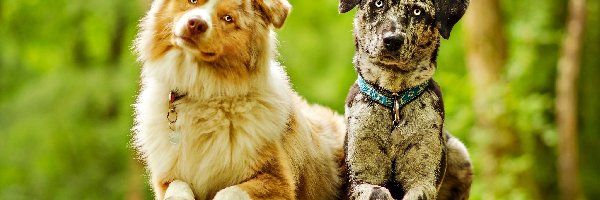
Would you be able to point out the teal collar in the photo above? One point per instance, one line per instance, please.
(396, 101)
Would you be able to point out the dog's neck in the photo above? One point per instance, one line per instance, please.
(177, 71)
(393, 78)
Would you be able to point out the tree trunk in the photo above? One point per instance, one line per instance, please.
(566, 102)
(486, 57)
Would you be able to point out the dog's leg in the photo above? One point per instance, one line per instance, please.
(422, 165)
(368, 163)
(179, 190)
(420, 193)
(370, 192)
(459, 173)
(272, 181)
(232, 192)
(263, 186)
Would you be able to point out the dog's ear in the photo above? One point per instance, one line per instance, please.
(347, 5)
(448, 12)
(276, 11)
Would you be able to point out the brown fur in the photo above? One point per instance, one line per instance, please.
(240, 132)
(397, 43)
(229, 41)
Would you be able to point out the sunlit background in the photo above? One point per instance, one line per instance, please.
(68, 79)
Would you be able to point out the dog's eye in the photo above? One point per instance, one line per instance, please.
(228, 18)
(417, 11)
(194, 1)
(379, 3)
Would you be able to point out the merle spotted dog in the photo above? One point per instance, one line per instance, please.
(396, 146)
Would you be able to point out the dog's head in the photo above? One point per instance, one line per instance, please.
(210, 30)
(402, 32)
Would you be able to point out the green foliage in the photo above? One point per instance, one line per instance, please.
(316, 46)
(68, 78)
(68, 138)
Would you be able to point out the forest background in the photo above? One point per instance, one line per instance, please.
(68, 79)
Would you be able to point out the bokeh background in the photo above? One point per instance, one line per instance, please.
(68, 79)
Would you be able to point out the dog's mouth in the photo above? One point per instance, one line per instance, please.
(386, 59)
(187, 42)
(391, 63)
(208, 56)
(191, 44)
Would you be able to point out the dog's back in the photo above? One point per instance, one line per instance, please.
(316, 136)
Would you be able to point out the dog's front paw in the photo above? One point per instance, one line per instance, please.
(380, 193)
(232, 193)
(420, 194)
(179, 190)
(370, 192)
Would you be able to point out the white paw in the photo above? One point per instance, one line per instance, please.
(232, 193)
(179, 190)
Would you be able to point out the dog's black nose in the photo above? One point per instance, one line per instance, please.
(393, 42)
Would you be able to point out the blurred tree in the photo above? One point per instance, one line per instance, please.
(486, 56)
(566, 101)
(512, 75)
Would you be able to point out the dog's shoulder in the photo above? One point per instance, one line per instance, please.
(438, 104)
(354, 90)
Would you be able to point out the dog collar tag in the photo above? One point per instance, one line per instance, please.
(175, 137)
(396, 110)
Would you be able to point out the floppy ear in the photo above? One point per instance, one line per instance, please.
(276, 11)
(347, 5)
(448, 12)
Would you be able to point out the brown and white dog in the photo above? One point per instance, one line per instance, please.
(396, 145)
(231, 127)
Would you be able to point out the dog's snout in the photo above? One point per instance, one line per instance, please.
(196, 25)
(393, 42)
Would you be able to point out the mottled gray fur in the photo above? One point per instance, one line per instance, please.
(396, 48)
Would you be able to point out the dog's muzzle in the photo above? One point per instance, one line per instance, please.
(393, 41)
(193, 24)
